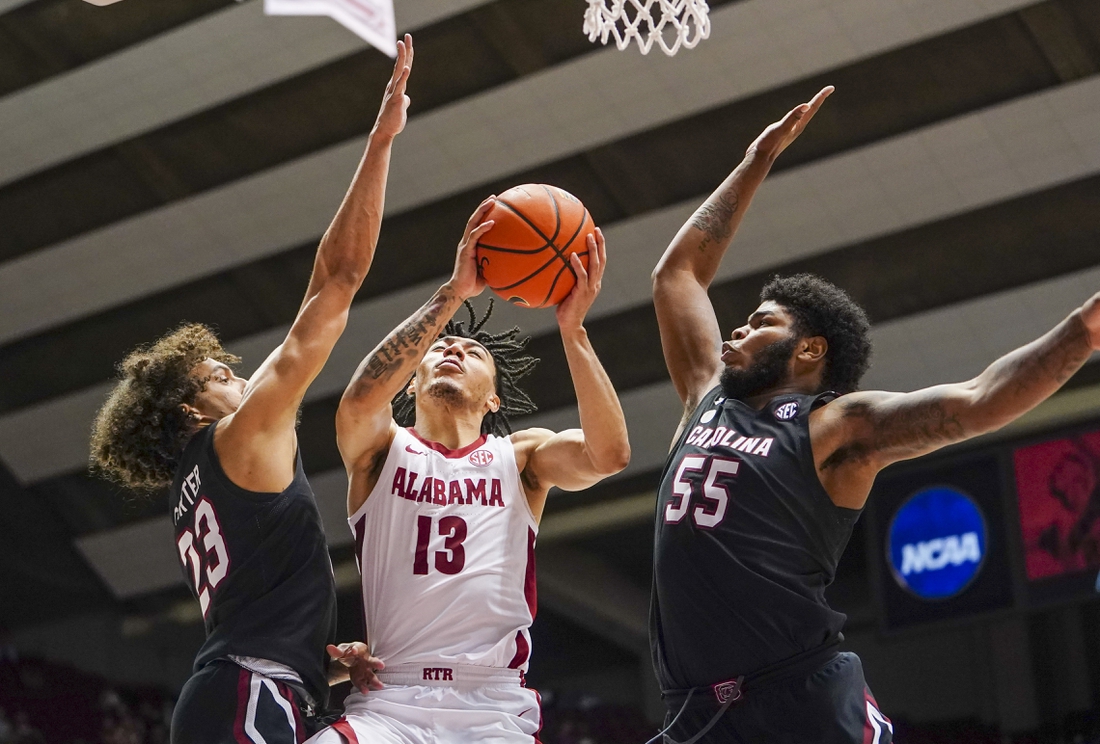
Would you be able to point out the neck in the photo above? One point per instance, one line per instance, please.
(790, 387)
(452, 429)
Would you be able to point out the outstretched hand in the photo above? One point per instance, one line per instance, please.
(573, 308)
(779, 136)
(392, 116)
(361, 667)
(466, 280)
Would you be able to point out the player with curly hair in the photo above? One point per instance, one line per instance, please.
(771, 465)
(445, 501)
(247, 530)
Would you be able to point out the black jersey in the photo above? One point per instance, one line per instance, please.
(746, 541)
(258, 564)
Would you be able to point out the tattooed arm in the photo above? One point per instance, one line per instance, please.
(859, 434)
(689, 329)
(257, 443)
(364, 420)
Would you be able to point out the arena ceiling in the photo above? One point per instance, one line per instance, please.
(163, 162)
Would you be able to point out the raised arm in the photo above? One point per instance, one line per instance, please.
(254, 442)
(578, 458)
(690, 335)
(859, 434)
(364, 420)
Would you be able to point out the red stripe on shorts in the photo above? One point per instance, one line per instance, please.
(345, 730)
(290, 696)
(243, 682)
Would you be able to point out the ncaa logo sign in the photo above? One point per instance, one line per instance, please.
(936, 543)
(481, 458)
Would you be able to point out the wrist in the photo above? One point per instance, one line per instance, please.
(573, 332)
(756, 159)
(380, 138)
(450, 293)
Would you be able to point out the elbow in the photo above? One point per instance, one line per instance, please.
(350, 275)
(660, 273)
(615, 461)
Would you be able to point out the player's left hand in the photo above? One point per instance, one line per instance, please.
(573, 308)
(1090, 314)
(779, 136)
(361, 667)
(395, 104)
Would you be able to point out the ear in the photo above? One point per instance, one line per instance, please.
(813, 349)
(190, 411)
(411, 389)
(494, 403)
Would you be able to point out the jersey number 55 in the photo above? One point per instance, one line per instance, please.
(711, 497)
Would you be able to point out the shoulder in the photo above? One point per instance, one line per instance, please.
(530, 439)
(845, 426)
(852, 406)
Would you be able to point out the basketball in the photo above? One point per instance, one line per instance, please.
(524, 258)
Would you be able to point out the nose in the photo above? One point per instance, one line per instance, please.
(739, 333)
(456, 350)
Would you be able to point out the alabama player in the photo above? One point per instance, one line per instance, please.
(445, 514)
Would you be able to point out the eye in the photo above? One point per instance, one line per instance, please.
(476, 353)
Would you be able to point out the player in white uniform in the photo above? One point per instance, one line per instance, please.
(445, 514)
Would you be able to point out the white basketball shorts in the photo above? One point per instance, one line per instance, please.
(440, 705)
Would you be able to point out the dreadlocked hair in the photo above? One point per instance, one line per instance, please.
(141, 430)
(512, 365)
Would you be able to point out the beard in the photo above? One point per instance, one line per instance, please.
(767, 370)
(447, 393)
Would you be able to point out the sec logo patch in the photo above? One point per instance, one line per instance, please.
(481, 458)
(787, 411)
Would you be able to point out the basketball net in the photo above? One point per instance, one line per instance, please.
(669, 23)
(371, 20)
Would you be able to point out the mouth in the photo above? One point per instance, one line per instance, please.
(729, 353)
(449, 364)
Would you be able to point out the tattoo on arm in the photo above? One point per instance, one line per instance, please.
(1056, 363)
(714, 218)
(405, 346)
(913, 429)
(1007, 389)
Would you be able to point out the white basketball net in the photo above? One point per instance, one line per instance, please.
(669, 23)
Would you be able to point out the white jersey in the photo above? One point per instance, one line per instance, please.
(446, 548)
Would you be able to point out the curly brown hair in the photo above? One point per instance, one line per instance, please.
(141, 429)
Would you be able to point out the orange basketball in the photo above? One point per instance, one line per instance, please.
(524, 258)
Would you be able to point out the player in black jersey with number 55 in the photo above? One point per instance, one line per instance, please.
(247, 530)
(772, 463)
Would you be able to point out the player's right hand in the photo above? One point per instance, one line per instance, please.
(466, 280)
(362, 667)
(392, 116)
(779, 136)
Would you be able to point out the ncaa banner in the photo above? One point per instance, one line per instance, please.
(372, 20)
(938, 538)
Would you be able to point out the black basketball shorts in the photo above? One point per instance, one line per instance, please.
(829, 706)
(223, 703)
